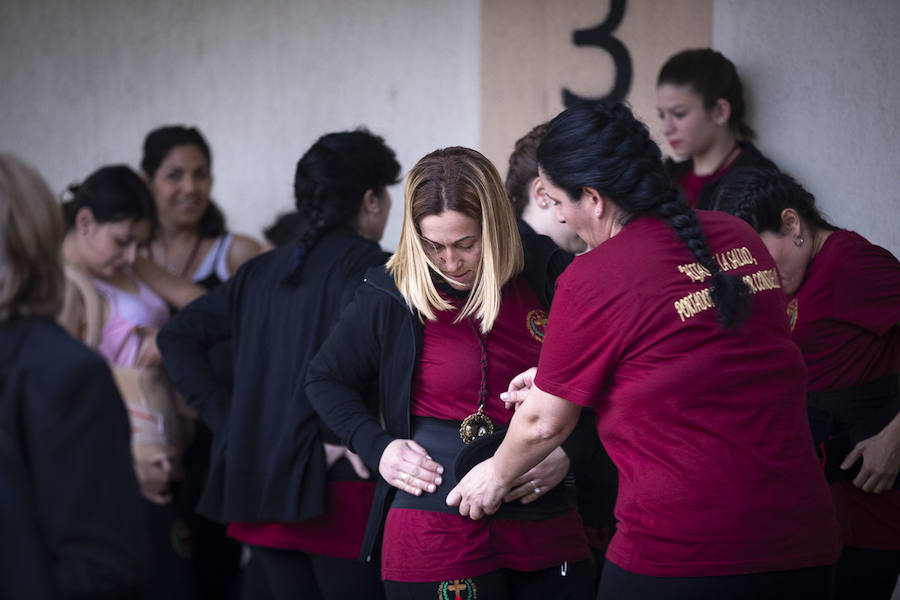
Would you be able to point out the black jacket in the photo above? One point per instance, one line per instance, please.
(63, 418)
(378, 336)
(750, 156)
(267, 459)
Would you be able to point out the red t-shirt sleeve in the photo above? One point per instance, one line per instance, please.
(874, 278)
(579, 350)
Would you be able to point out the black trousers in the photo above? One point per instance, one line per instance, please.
(171, 574)
(215, 557)
(815, 583)
(563, 582)
(292, 574)
(870, 574)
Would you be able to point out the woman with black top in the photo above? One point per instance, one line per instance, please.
(281, 482)
(844, 312)
(700, 101)
(62, 423)
(458, 309)
(695, 385)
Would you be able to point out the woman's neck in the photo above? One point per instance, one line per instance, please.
(173, 235)
(720, 153)
(72, 253)
(819, 236)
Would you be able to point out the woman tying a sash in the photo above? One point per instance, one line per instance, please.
(459, 310)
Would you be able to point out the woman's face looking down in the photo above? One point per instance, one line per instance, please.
(452, 241)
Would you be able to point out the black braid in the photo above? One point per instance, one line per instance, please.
(606, 148)
(729, 293)
(330, 182)
(758, 195)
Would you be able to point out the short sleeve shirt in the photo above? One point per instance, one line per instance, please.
(706, 425)
(846, 313)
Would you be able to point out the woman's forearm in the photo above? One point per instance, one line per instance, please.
(540, 424)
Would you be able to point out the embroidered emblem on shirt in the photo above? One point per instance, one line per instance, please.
(180, 537)
(537, 323)
(457, 589)
(792, 313)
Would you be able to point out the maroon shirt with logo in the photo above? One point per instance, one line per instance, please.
(430, 546)
(707, 426)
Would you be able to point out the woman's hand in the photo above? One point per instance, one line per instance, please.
(335, 453)
(518, 388)
(881, 460)
(148, 354)
(407, 466)
(479, 493)
(154, 478)
(545, 476)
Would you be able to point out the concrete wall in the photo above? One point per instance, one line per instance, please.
(528, 58)
(83, 82)
(823, 87)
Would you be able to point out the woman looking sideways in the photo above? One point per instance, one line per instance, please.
(844, 312)
(700, 101)
(458, 310)
(698, 389)
(280, 481)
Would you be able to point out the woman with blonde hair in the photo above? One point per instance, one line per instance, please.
(61, 415)
(442, 328)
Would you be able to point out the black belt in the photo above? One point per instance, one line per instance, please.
(840, 419)
(441, 439)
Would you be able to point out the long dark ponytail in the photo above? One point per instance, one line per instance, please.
(606, 148)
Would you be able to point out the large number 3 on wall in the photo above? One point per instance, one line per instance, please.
(601, 36)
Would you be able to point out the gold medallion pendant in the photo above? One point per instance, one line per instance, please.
(475, 426)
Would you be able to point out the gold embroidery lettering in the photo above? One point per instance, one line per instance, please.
(696, 302)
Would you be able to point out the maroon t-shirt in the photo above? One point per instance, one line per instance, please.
(846, 313)
(707, 426)
(845, 319)
(422, 545)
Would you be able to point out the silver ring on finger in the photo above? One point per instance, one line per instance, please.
(404, 477)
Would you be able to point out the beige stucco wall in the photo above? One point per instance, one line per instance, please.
(84, 80)
(528, 57)
(823, 81)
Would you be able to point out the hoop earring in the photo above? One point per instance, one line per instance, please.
(798, 241)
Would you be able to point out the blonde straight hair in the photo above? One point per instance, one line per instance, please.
(31, 235)
(462, 180)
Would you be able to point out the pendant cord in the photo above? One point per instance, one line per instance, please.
(482, 341)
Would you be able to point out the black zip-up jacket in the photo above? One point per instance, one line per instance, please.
(267, 463)
(64, 419)
(750, 156)
(378, 336)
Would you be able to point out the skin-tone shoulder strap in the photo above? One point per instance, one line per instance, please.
(93, 305)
